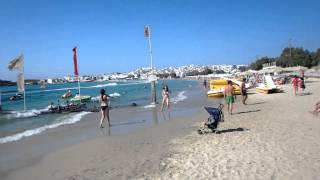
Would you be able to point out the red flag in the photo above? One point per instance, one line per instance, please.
(75, 63)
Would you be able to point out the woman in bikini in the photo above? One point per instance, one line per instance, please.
(295, 81)
(165, 97)
(104, 99)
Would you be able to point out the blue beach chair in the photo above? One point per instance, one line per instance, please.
(216, 116)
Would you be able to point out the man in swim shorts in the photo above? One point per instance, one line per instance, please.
(229, 96)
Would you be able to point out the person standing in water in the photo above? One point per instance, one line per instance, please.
(229, 96)
(165, 97)
(104, 102)
(244, 91)
(205, 84)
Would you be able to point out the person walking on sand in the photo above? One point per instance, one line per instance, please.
(104, 102)
(301, 84)
(295, 82)
(165, 97)
(244, 91)
(229, 96)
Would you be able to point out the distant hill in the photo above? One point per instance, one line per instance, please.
(10, 83)
(7, 83)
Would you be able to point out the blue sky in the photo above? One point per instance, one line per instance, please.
(109, 34)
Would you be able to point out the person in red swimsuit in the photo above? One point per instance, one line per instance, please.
(295, 82)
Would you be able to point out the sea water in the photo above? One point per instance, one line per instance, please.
(20, 124)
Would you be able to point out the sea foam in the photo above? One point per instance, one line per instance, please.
(69, 119)
(26, 114)
(180, 97)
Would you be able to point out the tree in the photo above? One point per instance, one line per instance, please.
(295, 57)
(242, 68)
(257, 65)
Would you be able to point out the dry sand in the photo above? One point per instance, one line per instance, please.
(273, 137)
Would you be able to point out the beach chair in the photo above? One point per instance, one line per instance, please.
(216, 116)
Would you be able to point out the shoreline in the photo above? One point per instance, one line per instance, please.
(125, 121)
(262, 140)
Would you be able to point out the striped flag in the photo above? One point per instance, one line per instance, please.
(20, 82)
(16, 64)
(75, 61)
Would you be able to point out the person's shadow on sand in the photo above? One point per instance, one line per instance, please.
(262, 102)
(243, 112)
(304, 94)
(231, 130)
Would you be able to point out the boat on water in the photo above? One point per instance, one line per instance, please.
(217, 88)
(78, 99)
(66, 95)
(42, 84)
(16, 97)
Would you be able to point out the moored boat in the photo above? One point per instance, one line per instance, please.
(67, 95)
(78, 99)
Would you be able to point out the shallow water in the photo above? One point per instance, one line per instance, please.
(23, 124)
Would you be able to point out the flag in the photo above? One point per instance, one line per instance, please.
(75, 61)
(146, 31)
(20, 82)
(16, 64)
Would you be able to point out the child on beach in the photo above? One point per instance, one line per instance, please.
(165, 97)
(104, 99)
(229, 96)
(295, 82)
(244, 91)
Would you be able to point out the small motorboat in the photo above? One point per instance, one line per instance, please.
(16, 97)
(67, 95)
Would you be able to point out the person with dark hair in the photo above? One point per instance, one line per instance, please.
(205, 84)
(165, 97)
(244, 91)
(295, 82)
(104, 103)
(229, 96)
(302, 85)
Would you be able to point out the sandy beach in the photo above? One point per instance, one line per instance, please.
(273, 137)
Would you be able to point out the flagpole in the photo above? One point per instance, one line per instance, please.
(79, 88)
(24, 89)
(153, 83)
(0, 102)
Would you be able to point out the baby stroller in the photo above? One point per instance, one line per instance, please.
(216, 116)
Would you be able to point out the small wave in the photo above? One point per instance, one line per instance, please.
(61, 121)
(96, 98)
(115, 94)
(180, 97)
(26, 114)
(102, 85)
